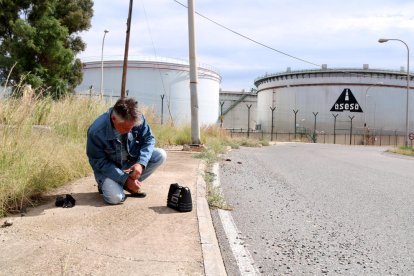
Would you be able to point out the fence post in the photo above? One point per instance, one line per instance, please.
(271, 133)
(395, 134)
(248, 119)
(221, 114)
(335, 127)
(90, 91)
(381, 137)
(314, 127)
(162, 108)
(350, 134)
(296, 112)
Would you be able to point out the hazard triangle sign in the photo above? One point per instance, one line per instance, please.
(346, 102)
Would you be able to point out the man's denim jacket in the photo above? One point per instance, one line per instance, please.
(104, 149)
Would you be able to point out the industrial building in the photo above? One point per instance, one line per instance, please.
(159, 83)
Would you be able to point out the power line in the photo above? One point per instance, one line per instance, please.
(266, 46)
(250, 39)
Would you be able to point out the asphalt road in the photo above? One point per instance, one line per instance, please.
(315, 209)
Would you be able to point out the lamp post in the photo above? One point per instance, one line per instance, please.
(103, 41)
(366, 110)
(382, 40)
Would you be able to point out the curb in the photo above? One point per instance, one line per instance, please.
(244, 260)
(213, 261)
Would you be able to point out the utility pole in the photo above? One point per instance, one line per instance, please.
(125, 67)
(195, 128)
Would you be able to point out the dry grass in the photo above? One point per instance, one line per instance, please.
(33, 158)
(43, 144)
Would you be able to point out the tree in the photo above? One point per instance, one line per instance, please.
(41, 38)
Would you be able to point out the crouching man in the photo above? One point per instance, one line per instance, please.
(120, 149)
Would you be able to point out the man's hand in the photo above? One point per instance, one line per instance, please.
(132, 185)
(135, 171)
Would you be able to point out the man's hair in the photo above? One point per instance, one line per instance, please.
(126, 109)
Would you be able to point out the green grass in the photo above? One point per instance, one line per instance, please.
(403, 150)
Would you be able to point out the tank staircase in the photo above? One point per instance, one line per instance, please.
(237, 102)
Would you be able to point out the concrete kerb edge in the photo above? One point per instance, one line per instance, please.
(213, 261)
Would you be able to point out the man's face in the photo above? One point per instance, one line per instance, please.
(122, 127)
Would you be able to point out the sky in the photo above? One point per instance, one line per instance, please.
(339, 33)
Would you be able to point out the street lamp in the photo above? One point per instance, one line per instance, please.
(103, 41)
(366, 110)
(382, 40)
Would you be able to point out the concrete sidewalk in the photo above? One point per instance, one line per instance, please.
(138, 237)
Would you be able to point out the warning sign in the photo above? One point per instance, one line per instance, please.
(346, 102)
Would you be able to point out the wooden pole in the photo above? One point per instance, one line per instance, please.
(125, 67)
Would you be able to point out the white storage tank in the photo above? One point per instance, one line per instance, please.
(150, 78)
(378, 97)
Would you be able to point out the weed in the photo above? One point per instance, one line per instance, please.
(403, 150)
(216, 199)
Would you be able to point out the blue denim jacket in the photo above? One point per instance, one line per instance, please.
(104, 149)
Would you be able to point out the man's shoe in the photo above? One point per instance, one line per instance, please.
(138, 194)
